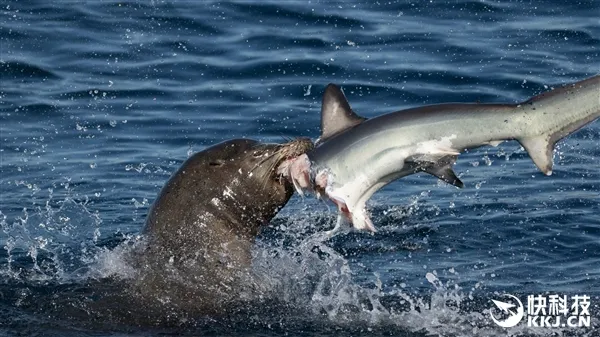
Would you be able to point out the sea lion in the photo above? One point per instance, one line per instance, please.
(200, 230)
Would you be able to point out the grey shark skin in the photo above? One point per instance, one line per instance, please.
(356, 157)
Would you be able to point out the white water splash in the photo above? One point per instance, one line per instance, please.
(312, 277)
(53, 242)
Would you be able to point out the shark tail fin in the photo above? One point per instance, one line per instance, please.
(568, 116)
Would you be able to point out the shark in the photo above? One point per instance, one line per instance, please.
(355, 156)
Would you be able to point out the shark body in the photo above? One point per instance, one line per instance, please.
(356, 156)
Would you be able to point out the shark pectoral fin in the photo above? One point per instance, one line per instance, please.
(439, 166)
(540, 150)
(357, 215)
(341, 205)
(362, 221)
(445, 173)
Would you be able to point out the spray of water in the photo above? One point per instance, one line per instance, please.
(297, 266)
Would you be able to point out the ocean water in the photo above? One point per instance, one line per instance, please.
(102, 100)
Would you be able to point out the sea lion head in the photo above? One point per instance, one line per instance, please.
(262, 184)
(236, 185)
(200, 229)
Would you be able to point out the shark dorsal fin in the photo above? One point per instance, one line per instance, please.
(336, 114)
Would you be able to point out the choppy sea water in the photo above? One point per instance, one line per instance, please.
(101, 101)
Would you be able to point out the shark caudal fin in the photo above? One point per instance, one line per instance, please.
(560, 112)
(336, 114)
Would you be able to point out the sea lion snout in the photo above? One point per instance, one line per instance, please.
(297, 147)
(275, 157)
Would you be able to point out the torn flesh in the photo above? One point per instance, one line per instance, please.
(299, 172)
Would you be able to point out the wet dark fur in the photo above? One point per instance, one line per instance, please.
(200, 230)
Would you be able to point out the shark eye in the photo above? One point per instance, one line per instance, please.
(217, 162)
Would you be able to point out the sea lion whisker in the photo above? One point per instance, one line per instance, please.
(291, 149)
(265, 159)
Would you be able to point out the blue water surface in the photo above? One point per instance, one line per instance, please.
(101, 101)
